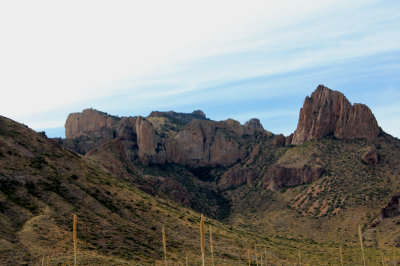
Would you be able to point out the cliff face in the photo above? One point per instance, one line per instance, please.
(278, 176)
(89, 121)
(329, 112)
(206, 143)
(146, 140)
(237, 176)
(91, 128)
(193, 140)
(186, 139)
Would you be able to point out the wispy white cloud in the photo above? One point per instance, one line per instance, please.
(139, 56)
(47, 124)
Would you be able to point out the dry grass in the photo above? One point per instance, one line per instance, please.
(74, 237)
(299, 258)
(202, 239)
(164, 241)
(361, 244)
(211, 247)
(341, 255)
(378, 240)
(121, 219)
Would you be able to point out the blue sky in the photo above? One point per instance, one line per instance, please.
(230, 59)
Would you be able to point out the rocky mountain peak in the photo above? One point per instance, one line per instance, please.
(327, 112)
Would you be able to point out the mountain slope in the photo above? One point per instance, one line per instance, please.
(129, 176)
(42, 185)
(338, 163)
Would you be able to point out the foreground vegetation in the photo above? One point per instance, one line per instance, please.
(271, 251)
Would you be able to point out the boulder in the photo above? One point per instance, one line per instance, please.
(392, 208)
(370, 157)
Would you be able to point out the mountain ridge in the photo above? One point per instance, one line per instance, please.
(192, 140)
(145, 172)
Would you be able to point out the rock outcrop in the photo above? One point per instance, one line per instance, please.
(280, 140)
(182, 117)
(392, 208)
(200, 143)
(146, 140)
(237, 176)
(370, 157)
(278, 176)
(252, 126)
(186, 139)
(91, 128)
(289, 140)
(111, 156)
(328, 112)
(89, 121)
(176, 191)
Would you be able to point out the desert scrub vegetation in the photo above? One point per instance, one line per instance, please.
(243, 248)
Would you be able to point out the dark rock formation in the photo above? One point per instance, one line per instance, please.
(125, 129)
(329, 112)
(111, 155)
(195, 141)
(176, 191)
(289, 140)
(237, 176)
(392, 208)
(253, 154)
(278, 176)
(370, 157)
(280, 140)
(252, 126)
(182, 117)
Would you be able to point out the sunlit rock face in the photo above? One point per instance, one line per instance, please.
(327, 112)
